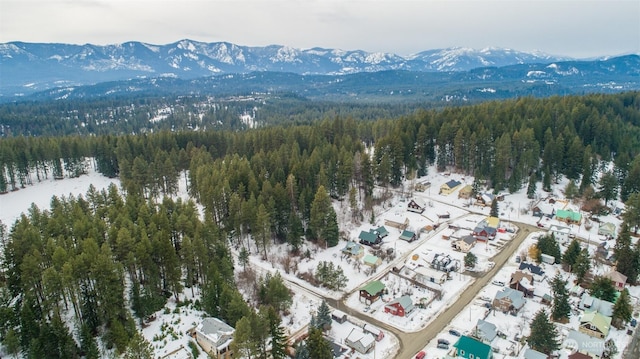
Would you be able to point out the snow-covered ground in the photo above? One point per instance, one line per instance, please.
(168, 330)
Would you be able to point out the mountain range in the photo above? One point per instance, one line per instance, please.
(53, 69)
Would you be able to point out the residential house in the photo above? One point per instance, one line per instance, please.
(619, 280)
(534, 354)
(465, 192)
(522, 282)
(578, 355)
(569, 216)
(464, 244)
(371, 291)
(560, 233)
(492, 222)
(369, 238)
(582, 343)
(543, 209)
(400, 306)
(422, 186)
(508, 300)
(380, 231)
(469, 348)
(360, 341)
(377, 333)
(397, 222)
(416, 206)
(443, 262)
(408, 236)
(429, 275)
(372, 261)
(538, 273)
(215, 337)
(595, 324)
(449, 187)
(484, 233)
(353, 250)
(593, 304)
(485, 199)
(485, 331)
(607, 229)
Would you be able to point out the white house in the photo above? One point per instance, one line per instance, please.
(360, 341)
(560, 233)
(215, 337)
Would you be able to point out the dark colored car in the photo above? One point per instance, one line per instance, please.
(443, 346)
(443, 341)
(453, 332)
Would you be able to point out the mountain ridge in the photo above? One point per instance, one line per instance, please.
(29, 67)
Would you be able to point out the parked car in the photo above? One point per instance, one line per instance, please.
(443, 341)
(498, 283)
(421, 355)
(443, 346)
(454, 332)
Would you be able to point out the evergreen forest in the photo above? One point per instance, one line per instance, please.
(111, 258)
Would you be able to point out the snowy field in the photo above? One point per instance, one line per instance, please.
(168, 330)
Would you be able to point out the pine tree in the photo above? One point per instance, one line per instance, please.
(622, 309)
(531, 188)
(278, 341)
(470, 260)
(608, 187)
(139, 348)
(561, 308)
(571, 254)
(543, 334)
(323, 317)
(603, 288)
(582, 265)
(494, 208)
(318, 346)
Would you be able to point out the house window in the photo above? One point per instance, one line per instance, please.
(461, 352)
(470, 356)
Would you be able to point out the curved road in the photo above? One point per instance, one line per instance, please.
(411, 343)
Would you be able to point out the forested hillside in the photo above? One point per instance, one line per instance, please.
(95, 255)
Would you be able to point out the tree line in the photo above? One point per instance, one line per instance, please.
(258, 187)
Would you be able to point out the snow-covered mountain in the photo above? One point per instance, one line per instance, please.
(29, 67)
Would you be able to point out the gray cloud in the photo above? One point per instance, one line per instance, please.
(561, 27)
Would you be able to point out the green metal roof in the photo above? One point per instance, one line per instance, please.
(574, 216)
(374, 287)
(479, 349)
(368, 236)
(598, 320)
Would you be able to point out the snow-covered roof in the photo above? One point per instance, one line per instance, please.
(358, 335)
(485, 331)
(598, 320)
(404, 301)
(215, 330)
(616, 277)
(516, 297)
(584, 343)
(559, 229)
(593, 304)
(534, 354)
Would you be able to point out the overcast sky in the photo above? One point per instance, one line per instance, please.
(576, 28)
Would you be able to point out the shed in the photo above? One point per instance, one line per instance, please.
(338, 316)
